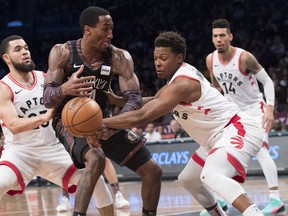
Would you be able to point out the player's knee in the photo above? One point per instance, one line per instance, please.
(188, 180)
(156, 172)
(8, 180)
(95, 159)
(152, 172)
(209, 177)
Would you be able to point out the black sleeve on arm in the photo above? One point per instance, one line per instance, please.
(52, 95)
(134, 101)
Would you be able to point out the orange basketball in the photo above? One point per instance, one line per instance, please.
(81, 116)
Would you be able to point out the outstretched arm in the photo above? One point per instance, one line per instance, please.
(181, 90)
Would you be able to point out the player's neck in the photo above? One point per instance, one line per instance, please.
(226, 56)
(89, 55)
(25, 79)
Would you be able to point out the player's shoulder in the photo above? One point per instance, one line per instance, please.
(209, 56)
(5, 88)
(120, 52)
(245, 55)
(60, 51)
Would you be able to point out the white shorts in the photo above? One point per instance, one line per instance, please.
(242, 139)
(51, 162)
(257, 112)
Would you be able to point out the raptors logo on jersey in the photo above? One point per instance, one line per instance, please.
(238, 87)
(28, 102)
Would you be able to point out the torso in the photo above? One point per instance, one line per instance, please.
(204, 118)
(28, 102)
(237, 86)
(102, 70)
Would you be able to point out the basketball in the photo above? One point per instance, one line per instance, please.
(81, 116)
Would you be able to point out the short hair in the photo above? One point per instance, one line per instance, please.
(173, 40)
(221, 23)
(90, 16)
(5, 43)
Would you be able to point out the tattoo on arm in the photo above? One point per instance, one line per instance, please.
(252, 65)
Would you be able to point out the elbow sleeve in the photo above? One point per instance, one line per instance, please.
(134, 101)
(268, 86)
(52, 95)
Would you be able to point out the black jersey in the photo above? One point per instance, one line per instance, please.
(103, 75)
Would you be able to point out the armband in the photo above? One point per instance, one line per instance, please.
(53, 95)
(134, 101)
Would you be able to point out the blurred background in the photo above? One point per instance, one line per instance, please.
(259, 26)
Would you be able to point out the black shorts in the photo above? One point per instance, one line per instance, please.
(124, 148)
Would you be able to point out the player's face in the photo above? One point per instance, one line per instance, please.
(102, 33)
(166, 62)
(221, 39)
(18, 55)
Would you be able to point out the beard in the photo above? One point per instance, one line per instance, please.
(24, 68)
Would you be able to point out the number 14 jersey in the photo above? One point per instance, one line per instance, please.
(237, 86)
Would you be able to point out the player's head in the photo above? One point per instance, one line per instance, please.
(221, 34)
(97, 27)
(15, 53)
(169, 53)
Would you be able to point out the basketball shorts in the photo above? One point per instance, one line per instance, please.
(124, 148)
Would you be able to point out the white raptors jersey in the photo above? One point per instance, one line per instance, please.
(205, 118)
(28, 103)
(238, 87)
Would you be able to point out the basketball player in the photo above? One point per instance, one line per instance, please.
(216, 124)
(85, 67)
(31, 148)
(235, 72)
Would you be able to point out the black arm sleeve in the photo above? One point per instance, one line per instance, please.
(134, 101)
(52, 95)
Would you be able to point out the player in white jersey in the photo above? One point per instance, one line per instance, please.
(31, 147)
(230, 136)
(236, 73)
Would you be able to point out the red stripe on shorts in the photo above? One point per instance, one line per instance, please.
(66, 179)
(198, 160)
(19, 178)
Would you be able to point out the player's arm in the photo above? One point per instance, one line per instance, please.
(54, 89)
(251, 65)
(181, 90)
(120, 101)
(8, 114)
(212, 77)
(123, 65)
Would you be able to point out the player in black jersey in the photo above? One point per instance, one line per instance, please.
(84, 67)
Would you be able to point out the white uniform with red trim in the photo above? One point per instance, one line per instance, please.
(243, 90)
(240, 88)
(36, 152)
(214, 122)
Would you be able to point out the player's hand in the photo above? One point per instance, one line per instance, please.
(48, 115)
(104, 132)
(78, 86)
(93, 141)
(115, 99)
(268, 118)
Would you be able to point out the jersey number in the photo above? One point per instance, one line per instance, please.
(228, 89)
(41, 112)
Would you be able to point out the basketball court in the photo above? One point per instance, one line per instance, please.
(174, 200)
